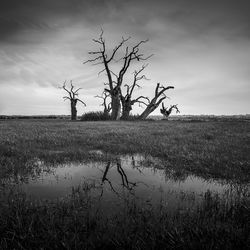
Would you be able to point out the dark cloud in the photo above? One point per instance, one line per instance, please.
(197, 16)
(16, 16)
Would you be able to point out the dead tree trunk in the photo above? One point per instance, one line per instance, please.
(166, 112)
(156, 100)
(114, 86)
(73, 97)
(73, 109)
(126, 100)
(115, 103)
(126, 108)
(127, 105)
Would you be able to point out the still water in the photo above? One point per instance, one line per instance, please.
(138, 177)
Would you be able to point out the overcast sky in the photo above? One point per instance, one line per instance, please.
(202, 47)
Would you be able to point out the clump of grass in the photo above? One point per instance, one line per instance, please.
(95, 116)
(101, 116)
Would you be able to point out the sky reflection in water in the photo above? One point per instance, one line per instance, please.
(134, 177)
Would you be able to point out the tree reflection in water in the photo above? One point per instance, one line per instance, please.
(125, 183)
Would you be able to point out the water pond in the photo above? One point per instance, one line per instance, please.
(138, 177)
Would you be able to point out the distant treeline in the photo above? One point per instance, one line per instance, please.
(203, 117)
(7, 117)
(152, 117)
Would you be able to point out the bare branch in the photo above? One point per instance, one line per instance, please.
(94, 52)
(114, 74)
(81, 102)
(101, 71)
(117, 48)
(66, 97)
(157, 89)
(142, 97)
(93, 60)
(97, 41)
(128, 88)
(105, 95)
(107, 90)
(159, 92)
(77, 90)
(136, 78)
(163, 89)
(130, 56)
(64, 87)
(159, 102)
(98, 63)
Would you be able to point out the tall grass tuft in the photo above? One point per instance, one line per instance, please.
(95, 116)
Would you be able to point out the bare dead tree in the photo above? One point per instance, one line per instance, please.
(166, 112)
(126, 100)
(106, 104)
(155, 101)
(73, 98)
(115, 80)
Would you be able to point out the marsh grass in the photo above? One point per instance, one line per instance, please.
(213, 149)
(75, 223)
(208, 149)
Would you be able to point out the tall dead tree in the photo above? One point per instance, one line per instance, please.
(106, 104)
(155, 101)
(73, 98)
(166, 112)
(126, 100)
(115, 80)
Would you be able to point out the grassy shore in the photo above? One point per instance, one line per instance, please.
(211, 149)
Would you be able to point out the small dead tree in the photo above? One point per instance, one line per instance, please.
(73, 97)
(106, 104)
(166, 112)
(126, 100)
(155, 101)
(115, 80)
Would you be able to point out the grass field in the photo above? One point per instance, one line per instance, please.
(217, 150)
